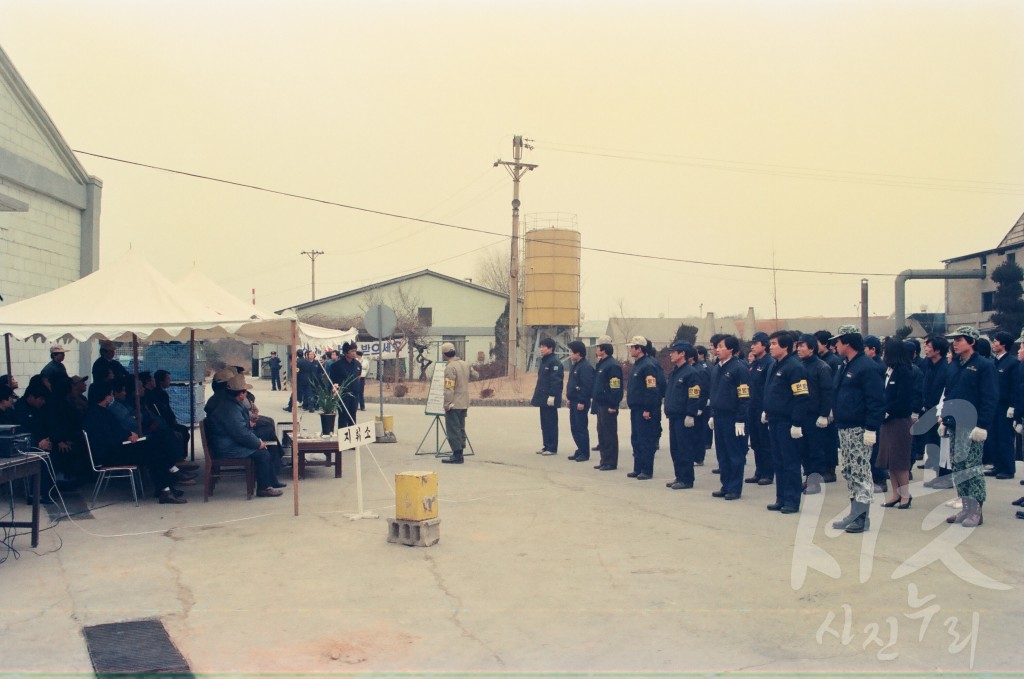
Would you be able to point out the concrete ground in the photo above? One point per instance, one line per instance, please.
(544, 566)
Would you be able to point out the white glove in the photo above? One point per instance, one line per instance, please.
(741, 429)
(688, 422)
(942, 431)
(870, 438)
(699, 412)
(1019, 428)
(1009, 412)
(551, 400)
(978, 435)
(796, 432)
(711, 423)
(764, 418)
(821, 422)
(831, 416)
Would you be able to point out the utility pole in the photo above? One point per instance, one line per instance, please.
(312, 254)
(517, 169)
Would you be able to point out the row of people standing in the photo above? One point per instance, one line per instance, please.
(805, 403)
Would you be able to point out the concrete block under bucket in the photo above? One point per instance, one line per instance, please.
(414, 533)
(416, 496)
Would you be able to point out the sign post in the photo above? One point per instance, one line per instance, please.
(380, 320)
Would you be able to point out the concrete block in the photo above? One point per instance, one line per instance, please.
(414, 533)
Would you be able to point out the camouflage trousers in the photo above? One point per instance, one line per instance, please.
(968, 474)
(855, 458)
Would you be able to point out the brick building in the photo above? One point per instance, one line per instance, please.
(49, 212)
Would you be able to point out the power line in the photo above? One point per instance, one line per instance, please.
(848, 176)
(382, 213)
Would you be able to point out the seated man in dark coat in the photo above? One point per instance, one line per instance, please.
(230, 436)
(107, 440)
(158, 398)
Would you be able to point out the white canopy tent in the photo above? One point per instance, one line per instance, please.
(129, 299)
(264, 326)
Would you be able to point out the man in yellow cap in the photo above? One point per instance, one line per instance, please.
(456, 402)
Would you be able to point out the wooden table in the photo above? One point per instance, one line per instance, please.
(328, 447)
(22, 467)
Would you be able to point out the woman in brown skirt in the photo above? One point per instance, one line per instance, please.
(894, 437)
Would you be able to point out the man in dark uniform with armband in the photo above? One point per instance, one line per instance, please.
(730, 400)
(684, 398)
(786, 403)
(643, 396)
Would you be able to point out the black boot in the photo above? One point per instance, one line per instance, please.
(861, 522)
(456, 458)
(841, 524)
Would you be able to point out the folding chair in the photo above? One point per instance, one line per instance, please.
(124, 471)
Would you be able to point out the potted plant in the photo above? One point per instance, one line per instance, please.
(328, 401)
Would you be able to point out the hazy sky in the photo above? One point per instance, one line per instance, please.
(858, 136)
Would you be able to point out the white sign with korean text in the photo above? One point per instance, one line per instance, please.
(356, 435)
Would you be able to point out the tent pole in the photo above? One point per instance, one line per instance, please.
(135, 364)
(295, 415)
(7, 346)
(192, 394)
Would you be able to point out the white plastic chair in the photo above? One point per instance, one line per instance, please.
(124, 471)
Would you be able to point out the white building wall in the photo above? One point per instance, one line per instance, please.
(40, 249)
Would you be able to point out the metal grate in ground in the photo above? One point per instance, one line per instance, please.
(139, 647)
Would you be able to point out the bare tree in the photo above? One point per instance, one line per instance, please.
(622, 320)
(492, 271)
(407, 312)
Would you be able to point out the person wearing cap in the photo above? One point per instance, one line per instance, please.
(686, 395)
(547, 396)
(826, 352)
(760, 439)
(55, 370)
(730, 402)
(578, 390)
(274, 363)
(456, 402)
(643, 396)
(968, 412)
(1001, 442)
(605, 401)
(230, 436)
(345, 374)
(786, 406)
(858, 410)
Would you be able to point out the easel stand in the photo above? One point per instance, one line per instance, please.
(437, 426)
